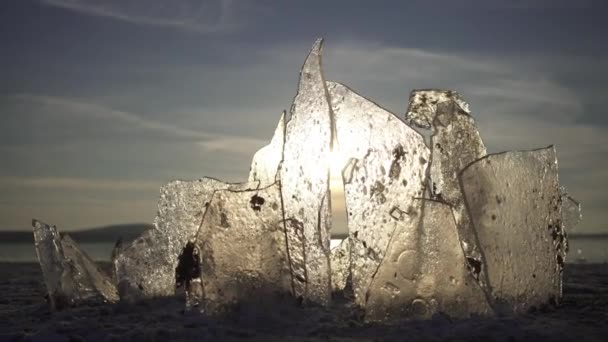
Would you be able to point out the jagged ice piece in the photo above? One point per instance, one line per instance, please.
(266, 161)
(70, 275)
(55, 271)
(146, 267)
(243, 254)
(514, 202)
(430, 278)
(423, 105)
(443, 282)
(455, 143)
(384, 164)
(304, 176)
(571, 212)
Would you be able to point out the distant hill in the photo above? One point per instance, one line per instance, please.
(588, 236)
(100, 234)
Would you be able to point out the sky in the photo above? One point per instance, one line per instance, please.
(104, 101)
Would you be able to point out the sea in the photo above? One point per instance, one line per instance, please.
(582, 250)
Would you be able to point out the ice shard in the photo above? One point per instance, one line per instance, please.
(90, 280)
(70, 275)
(384, 164)
(304, 176)
(455, 143)
(340, 266)
(243, 253)
(146, 267)
(514, 202)
(571, 211)
(430, 277)
(444, 283)
(135, 267)
(266, 161)
(53, 264)
(395, 276)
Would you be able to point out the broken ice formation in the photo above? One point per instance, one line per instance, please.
(242, 248)
(70, 275)
(266, 161)
(146, 267)
(386, 170)
(514, 202)
(304, 176)
(455, 143)
(423, 277)
(443, 228)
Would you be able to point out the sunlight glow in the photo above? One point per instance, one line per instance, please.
(337, 161)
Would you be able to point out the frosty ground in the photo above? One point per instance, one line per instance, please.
(24, 315)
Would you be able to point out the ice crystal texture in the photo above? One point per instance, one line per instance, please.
(242, 247)
(514, 202)
(146, 267)
(425, 272)
(340, 266)
(384, 164)
(571, 211)
(455, 143)
(304, 178)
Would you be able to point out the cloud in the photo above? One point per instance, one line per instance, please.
(509, 4)
(203, 16)
(78, 184)
(73, 109)
(64, 120)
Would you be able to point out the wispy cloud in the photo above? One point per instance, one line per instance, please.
(509, 4)
(78, 108)
(77, 184)
(69, 110)
(205, 16)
